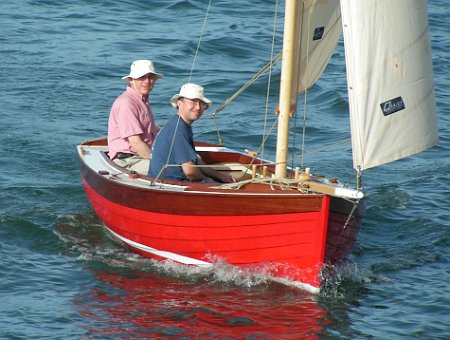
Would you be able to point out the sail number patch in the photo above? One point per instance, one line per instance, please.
(392, 106)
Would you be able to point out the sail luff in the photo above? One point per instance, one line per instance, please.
(286, 84)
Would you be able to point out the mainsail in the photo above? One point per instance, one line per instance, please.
(390, 79)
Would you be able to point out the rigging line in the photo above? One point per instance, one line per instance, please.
(352, 212)
(269, 80)
(328, 146)
(199, 41)
(269, 65)
(298, 26)
(250, 82)
(169, 153)
(189, 80)
(216, 124)
(219, 138)
(305, 96)
(325, 147)
(304, 155)
(264, 140)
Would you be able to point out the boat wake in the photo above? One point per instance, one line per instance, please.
(84, 237)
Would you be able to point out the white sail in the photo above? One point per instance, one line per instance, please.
(312, 29)
(390, 79)
(319, 28)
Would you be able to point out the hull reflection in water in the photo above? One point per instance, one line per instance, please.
(144, 304)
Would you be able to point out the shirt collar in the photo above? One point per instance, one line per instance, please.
(136, 94)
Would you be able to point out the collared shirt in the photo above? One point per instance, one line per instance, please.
(130, 115)
(175, 138)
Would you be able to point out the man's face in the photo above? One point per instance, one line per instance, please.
(190, 109)
(144, 84)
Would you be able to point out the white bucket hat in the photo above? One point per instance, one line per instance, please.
(191, 91)
(140, 68)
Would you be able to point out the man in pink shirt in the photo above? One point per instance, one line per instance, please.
(131, 126)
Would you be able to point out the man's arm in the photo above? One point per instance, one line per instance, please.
(197, 174)
(192, 172)
(217, 175)
(141, 148)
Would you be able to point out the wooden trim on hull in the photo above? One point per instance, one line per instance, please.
(194, 202)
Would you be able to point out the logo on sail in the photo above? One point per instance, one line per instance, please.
(392, 106)
(318, 33)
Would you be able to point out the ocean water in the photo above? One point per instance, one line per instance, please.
(61, 277)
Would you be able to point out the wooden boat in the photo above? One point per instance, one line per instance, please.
(281, 221)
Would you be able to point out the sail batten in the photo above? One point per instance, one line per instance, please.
(390, 80)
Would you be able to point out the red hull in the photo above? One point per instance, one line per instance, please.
(293, 240)
(288, 235)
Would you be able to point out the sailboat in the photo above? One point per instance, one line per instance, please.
(280, 220)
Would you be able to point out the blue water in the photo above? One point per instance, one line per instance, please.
(61, 277)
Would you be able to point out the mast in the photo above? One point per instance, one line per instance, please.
(287, 79)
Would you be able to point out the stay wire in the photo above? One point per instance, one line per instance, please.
(305, 101)
(216, 124)
(199, 40)
(164, 168)
(269, 80)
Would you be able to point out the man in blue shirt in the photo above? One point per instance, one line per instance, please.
(173, 155)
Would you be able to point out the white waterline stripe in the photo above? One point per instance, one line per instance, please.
(161, 253)
(297, 284)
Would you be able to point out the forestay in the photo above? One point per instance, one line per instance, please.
(390, 79)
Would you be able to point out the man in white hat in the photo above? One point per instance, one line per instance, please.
(131, 126)
(174, 155)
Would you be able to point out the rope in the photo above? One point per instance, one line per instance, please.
(305, 155)
(266, 67)
(269, 80)
(189, 80)
(250, 82)
(305, 101)
(169, 153)
(285, 184)
(350, 215)
(199, 41)
(328, 146)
